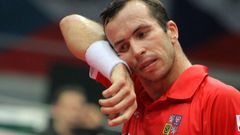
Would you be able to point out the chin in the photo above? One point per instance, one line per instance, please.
(154, 76)
(150, 77)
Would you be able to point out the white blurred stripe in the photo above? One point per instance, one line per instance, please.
(21, 116)
(27, 87)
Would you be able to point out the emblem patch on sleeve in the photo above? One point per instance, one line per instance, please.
(238, 122)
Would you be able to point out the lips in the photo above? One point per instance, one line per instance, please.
(146, 64)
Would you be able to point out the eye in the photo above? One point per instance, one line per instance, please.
(141, 35)
(122, 48)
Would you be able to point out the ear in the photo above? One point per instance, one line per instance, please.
(172, 31)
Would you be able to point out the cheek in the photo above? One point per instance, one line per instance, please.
(170, 51)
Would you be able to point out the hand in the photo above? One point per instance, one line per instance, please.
(120, 97)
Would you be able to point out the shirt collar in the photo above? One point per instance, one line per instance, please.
(187, 83)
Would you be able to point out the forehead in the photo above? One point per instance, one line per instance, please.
(132, 9)
(131, 16)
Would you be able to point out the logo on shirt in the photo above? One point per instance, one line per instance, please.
(238, 122)
(172, 124)
(167, 128)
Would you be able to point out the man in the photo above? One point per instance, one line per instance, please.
(173, 96)
(72, 114)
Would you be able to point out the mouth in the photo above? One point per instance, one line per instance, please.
(147, 65)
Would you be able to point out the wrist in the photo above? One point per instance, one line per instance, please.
(118, 71)
(102, 57)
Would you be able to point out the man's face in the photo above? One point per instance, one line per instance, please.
(141, 42)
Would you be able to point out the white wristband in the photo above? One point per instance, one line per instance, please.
(102, 57)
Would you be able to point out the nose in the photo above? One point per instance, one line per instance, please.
(138, 49)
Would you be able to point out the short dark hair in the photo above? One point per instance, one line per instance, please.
(155, 7)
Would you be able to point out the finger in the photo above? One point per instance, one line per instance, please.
(113, 89)
(109, 102)
(128, 101)
(112, 116)
(124, 117)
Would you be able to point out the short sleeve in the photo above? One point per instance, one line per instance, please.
(225, 109)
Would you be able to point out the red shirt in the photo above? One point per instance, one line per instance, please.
(196, 104)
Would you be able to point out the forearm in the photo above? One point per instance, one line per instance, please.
(79, 33)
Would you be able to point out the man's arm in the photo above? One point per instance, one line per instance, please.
(80, 33)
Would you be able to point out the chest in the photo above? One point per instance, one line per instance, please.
(167, 118)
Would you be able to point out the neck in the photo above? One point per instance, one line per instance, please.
(157, 88)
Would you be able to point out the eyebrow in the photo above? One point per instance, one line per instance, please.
(118, 42)
(142, 26)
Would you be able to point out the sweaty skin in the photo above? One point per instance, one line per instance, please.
(155, 56)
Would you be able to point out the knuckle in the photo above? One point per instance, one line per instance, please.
(110, 102)
(131, 100)
(135, 104)
(115, 109)
(128, 91)
(122, 82)
(104, 102)
(106, 111)
(107, 93)
(133, 97)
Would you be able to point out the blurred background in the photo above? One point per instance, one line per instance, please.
(34, 60)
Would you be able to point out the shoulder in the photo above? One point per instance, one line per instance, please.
(219, 95)
(220, 106)
(217, 89)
